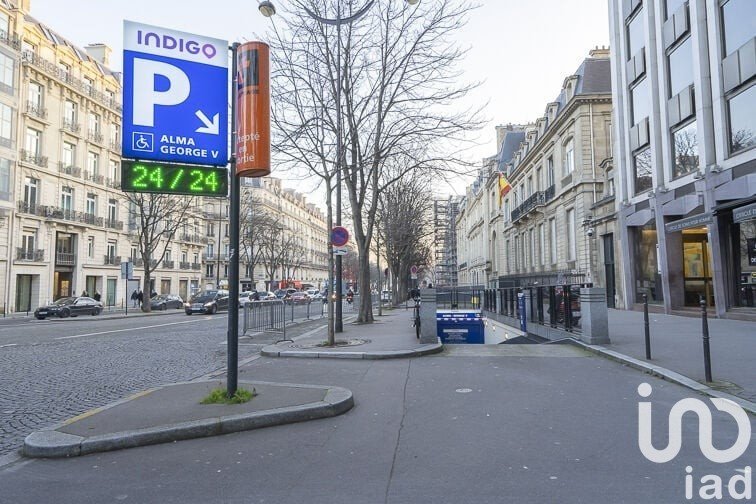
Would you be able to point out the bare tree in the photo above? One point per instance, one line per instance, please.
(257, 227)
(399, 80)
(158, 218)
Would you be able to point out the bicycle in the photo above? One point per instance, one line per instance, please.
(416, 318)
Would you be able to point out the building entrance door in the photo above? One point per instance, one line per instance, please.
(23, 292)
(697, 267)
(62, 284)
(609, 269)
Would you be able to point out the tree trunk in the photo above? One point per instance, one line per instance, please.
(366, 306)
(146, 291)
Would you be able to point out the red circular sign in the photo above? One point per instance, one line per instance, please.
(339, 236)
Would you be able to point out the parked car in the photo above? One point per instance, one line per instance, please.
(69, 306)
(210, 302)
(267, 296)
(314, 294)
(166, 301)
(297, 298)
(248, 296)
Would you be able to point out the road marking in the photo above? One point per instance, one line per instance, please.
(9, 344)
(130, 329)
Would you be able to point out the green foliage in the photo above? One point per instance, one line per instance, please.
(218, 396)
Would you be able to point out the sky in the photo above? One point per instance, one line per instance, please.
(521, 50)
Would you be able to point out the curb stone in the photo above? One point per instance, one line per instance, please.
(50, 443)
(664, 373)
(428, 349)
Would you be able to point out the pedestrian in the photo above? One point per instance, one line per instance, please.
(140, 297)
(84, 293)
(134, 298)
(97, 295)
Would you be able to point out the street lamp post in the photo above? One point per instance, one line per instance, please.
(267, 9)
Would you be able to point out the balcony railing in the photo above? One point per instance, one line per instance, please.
(534, 201)
(35, 159)
(138, 262)
(115, 145)
(196, 266)
(36, 110)
(111, 260)
(31, 208)
(94, 177)
(168, 264)
(209, 257)
(114, 224)
(74, 171)
(94, 136)
(65, 258)
(113, 183)
(10, 39)
(30, 58)
(185, 265)
(92, 219)
(71, 126)
(24, 254)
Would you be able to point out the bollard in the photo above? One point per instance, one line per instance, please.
(705, 328)
(646, 327)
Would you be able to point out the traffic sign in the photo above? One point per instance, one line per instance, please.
(127, 270)
(340, 251)
(413, 272)
(339, 236)
(175, 96)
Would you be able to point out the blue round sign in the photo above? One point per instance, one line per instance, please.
(339, 236)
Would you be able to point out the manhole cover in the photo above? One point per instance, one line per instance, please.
(464, 390)
(337, 344)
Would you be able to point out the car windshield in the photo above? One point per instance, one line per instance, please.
(65, 301)
(205, 296)
(161, 297)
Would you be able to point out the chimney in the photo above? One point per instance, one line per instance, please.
(599, 52)
(100, 52)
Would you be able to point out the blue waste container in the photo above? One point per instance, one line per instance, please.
(459, 326)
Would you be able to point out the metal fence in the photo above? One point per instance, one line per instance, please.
(460, 298)
(273, 315)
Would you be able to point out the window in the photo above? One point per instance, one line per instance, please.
(641, 101)
(742, 119)
(112, 247)
(33, 142)
(91, 203)
(184, 256)
(90, 247)
(738, 21)
(69, 154)
(64, 70)
(532, 248)
(29, 242)
(115, 135)
(112, 210)
(681, 67)
(35, 95)
(210, 270)
(685, 149)
(94, 124)
(30, 191)
(93, 163)
(168, 254)
(672, 6)
(66, 198)
(539, 182)
(134, 253)
(530, 186)
(506, 209)
(542, 240)
(550, 172)
(571, 238)
(636, 34)
(6, 125)
(4, 23)
(210, 250)
(5, 179)
(69, 112)
(6, 73)
(552, 241)
(210, 229)
(113, 170)
(643, 174)
(569, 156)
(89, 84)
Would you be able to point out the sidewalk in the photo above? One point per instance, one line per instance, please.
(677, 344)
(391, 336)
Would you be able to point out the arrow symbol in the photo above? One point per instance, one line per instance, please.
(210, 127)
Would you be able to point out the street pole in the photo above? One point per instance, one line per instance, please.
(339, 323)
(647, 332)
(233, 274)
(706, 349)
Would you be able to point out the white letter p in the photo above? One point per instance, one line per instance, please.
(145, 95)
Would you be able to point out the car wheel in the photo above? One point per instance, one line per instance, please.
(97, 311)
(213, 309)
(64, 313)
(164, 307)
(187, 312)
(38, 317)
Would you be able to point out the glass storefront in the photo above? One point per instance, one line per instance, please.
(697, 267)
(646, 254)
(745, 263)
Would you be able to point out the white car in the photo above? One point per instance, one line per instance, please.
(314, 294)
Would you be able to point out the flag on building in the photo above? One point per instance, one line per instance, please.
(504, 187)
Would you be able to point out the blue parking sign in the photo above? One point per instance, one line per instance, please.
(175, 96)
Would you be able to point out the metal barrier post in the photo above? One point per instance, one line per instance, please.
(647, 332)
(707, 350)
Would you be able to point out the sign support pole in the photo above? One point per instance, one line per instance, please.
(232, 347)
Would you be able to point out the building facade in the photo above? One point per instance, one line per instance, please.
(684, 88)
(299, 247)
(66, 227)
(445, 212)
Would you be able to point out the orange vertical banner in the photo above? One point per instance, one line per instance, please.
(253, 110)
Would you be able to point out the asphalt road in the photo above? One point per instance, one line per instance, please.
(55, 369)
(472, 425)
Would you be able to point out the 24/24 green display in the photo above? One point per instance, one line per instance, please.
(163, 178)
